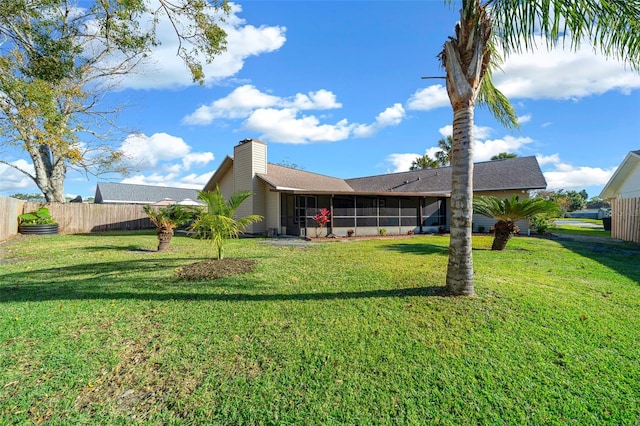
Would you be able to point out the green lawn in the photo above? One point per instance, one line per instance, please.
(97, 330)
(572, 229)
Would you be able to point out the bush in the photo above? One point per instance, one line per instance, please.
(37, 217)
(540, 223)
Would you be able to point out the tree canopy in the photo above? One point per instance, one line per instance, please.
(58, 58)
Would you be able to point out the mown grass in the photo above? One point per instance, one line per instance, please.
(97, 329)
(571, 229)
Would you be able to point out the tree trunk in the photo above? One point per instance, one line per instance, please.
(503, 232)
(164, 239)
(460, 267)
(465, 58)
(49, 173)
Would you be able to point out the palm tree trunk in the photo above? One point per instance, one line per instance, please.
(164, 239)
(460, 267)
(503, 233)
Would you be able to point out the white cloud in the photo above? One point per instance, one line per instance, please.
(280, 119)
(429, 98)
(543, 160)
(483, 151)
(392, 116)
(164, 69)
(400, 162)
(170, 153)
(191, 181)
(322, 99)
(566, 176)
(479, 132)
(524, 118)
(561, 74)
(244, 100)
(543, 74)
(283, 125)
(12, 180)
(561, 175)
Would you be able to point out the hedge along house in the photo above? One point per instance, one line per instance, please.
(416, 201)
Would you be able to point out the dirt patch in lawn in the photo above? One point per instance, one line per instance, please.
(212, 269)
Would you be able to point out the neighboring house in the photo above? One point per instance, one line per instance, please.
(125, 193)
(623, 191)
(625, 182)
(417, 201)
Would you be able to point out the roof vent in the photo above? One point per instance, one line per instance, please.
(246, 140)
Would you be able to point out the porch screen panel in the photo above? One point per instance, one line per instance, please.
(432, 212)
(389, 206)
(366, 211)
(410, 211)
(344, 211)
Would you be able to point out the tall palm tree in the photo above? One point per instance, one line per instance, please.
(444, 155)
(470, 56)
(508, 211)
(424, 162)
(217, 223)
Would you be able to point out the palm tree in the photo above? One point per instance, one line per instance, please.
(508, 211)
(470, 56)
(166, 219)
(217, 223)
(503, 156)
(444, 155)
(424, 162)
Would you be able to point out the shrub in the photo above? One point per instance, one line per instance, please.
(540, 223)
(37, 217)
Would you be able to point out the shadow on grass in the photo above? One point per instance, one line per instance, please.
(421, 248)
(134, 280)
(622, 257)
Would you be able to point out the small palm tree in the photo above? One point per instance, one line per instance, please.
(508, 212)
(166, 219)
(216, 223)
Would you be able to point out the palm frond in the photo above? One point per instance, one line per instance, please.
(612, 26)
(512, 209)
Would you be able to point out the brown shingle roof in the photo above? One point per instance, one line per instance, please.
(507, 174)
(288, 179)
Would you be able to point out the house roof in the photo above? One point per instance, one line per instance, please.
(125, 193)
(287, 179)
(628, 165)
(508, 174)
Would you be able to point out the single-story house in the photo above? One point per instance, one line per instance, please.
(126, 193)
(417, 201)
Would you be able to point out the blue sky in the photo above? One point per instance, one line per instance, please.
(335, 88)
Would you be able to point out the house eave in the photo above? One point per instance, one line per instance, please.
(610, 190)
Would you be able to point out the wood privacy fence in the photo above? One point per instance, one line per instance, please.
(76, 218)
(80, 218)
(10, 208)
(625, 219)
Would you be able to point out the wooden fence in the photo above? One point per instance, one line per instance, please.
(625, 219)
(76, 218)
(10, 208)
